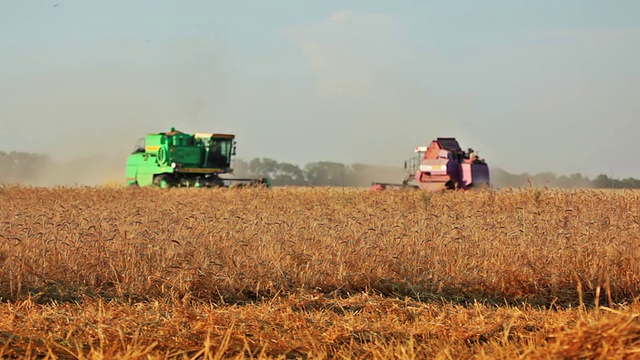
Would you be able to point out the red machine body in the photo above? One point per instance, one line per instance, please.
(446, 166)
(443, 165)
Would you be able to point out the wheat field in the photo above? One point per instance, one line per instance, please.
(101, 272)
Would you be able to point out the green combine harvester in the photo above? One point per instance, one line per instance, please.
(175, 159)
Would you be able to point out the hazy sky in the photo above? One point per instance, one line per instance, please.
(533, 86)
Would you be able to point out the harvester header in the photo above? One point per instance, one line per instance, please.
(174, 158)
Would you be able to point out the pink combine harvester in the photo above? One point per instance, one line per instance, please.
(440, 166)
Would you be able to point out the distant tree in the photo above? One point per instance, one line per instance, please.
(564, 182)
(576, 180)
(262, 167)
(280, 174)
(241, 168)
(288, 174)
(629, 183)
(580, 181)
(325, 173)
(602, 181)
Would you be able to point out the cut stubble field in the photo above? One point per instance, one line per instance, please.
(318, 273)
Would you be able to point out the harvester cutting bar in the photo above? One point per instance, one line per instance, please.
(384, 186)
(236, 182)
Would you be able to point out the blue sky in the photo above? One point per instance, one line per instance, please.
(534, 86)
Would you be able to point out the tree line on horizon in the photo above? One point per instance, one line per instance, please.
(27, 168)
(326, 173)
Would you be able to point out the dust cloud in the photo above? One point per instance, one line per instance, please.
(93, 159)
(80, 160)
(86, 118)
(381, 174)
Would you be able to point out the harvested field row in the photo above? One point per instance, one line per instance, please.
(315, 326)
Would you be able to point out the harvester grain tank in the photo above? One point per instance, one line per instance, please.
(443, 165)
(175, 158)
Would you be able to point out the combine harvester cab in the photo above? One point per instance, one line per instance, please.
(175, 158)
(442, 165)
